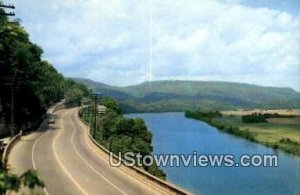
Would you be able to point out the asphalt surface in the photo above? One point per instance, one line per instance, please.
(69, 163)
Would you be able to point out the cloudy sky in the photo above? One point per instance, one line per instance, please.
(124, 42)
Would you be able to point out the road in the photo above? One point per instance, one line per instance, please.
(69, 163)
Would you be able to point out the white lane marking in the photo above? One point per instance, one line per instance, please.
(61, 164)
(32, 157)
(90, 166)
(154, 187)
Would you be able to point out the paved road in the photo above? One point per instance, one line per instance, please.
(69, 163)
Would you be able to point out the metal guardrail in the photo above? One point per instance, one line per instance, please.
(173, 189)
(9, 146)
(59, 106)
(17, 137)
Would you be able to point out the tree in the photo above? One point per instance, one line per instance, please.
(32, 85)
(119, 134)
(111, 104)
(13, 182)
(75, 93)
(24, 72)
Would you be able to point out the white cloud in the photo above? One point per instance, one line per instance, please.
(109, 40)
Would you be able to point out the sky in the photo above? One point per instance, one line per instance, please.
(124, 42)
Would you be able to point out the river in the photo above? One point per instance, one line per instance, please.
(175, 134)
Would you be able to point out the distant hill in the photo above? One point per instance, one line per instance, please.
(163, 96)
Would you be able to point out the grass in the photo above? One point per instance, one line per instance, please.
(273, 133)
(278, 133)
(285, 121)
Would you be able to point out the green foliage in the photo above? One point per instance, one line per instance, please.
(208, 115)
(262, 118)
(111, 104)
(85, 101)
(76, 93)
(13, 182)
(211, 118)
(119, 134)
(73, 96)
(234, 126)
(30, 77)
(33, 84)
(289, 146)
(31, 179)
(254, 118)
(173, 96)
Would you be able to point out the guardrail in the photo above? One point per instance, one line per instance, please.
(59, 106)
(173, 189)
(9, 146)
(16, 138)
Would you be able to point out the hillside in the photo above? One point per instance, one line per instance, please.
(162, 96)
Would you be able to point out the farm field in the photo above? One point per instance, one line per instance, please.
(241, 112)
(283, 133)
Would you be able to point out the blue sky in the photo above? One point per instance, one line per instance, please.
(126, 42)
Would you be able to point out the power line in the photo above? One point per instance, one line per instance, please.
(10, 6)
(12, 82)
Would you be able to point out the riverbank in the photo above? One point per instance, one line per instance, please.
(175, 134)
(278, 133)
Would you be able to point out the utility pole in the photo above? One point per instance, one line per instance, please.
(12, 132)
(96, 97)
(10, 6)
(13, 83)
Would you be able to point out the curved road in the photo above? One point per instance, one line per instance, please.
(69, 163)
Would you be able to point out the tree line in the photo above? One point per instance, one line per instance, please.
(262, 118)
(27, 82)
(211, 117)
(214, 118)
(29, 85)
(120, 134)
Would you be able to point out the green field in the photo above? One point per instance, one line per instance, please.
(276, 131)
(282, 133)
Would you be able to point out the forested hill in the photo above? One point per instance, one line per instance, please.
(163, 96)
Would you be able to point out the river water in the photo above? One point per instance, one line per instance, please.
(175, 134)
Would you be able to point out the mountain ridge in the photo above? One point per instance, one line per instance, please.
(179, 95)
(177, 80)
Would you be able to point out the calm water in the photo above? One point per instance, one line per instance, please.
(175, 134)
